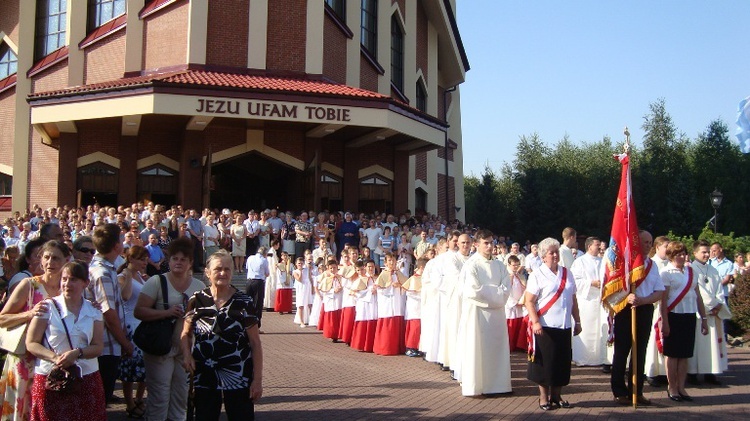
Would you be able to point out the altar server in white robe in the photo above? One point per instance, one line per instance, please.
(430, 306)
(303, 290)
(710, 354)
(590, 346)
(655, 369)
(450, 293)
(483, 363)
(269, 300)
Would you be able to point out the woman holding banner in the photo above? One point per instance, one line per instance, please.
(550, 302)
(680, 302)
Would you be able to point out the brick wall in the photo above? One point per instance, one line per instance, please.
(368, 77)
(43, 170)
(441, 153)
(333, 153)
(287, 26)
(7, 122)
(422, 40)
(165, 37)
(167, 143)
(227, 33)
(224, 137)
(9, 19)
(401, 6)
(378, 153)
(98, 136)
(334, 54)
(55, 77)
(451, 197)
(420, 168)
(105, 60)
(288, 141)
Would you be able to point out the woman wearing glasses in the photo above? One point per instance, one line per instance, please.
(166, 380)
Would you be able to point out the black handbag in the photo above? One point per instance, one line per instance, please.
(154, 337)
(68, 379)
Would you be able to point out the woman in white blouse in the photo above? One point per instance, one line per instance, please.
(550, 302)
(70, 333)
(680, 302)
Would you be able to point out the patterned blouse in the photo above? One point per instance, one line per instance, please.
(223, 358)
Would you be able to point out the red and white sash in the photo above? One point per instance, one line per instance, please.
(530, 337)
(670, 307)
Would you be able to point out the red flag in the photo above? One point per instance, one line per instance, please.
(623, 259)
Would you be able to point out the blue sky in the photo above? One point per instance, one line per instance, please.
(589, 68)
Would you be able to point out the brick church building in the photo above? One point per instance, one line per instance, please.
(290, 104)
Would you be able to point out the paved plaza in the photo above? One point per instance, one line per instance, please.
(307, 377)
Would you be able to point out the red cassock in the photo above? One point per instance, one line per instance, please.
(413, 331)
(347, 324)
(389, 336)
(331, 324)
(283, 303)
(321, 319)
(363, 336)
(517, 334)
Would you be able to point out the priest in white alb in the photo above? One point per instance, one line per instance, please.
(710, 353)
(590, 346)
(484, 360)
(452, 290)
(430, 306)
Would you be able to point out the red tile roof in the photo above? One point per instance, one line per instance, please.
(215, 79)
(48, 60)
(108, 28)
(8, 82)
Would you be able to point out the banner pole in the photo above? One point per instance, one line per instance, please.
(634, 357)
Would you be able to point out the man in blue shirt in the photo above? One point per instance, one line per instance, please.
(155, 255)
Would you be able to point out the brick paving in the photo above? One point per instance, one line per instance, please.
(306, 377)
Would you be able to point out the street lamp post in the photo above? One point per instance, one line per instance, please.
(716, 198)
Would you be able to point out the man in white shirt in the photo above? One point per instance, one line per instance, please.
(533, 261)
(373, 233)
(569, 246)
(257, 272)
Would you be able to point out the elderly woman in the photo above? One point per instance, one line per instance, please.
(25, 302)
(166, 381)
(550, 302)
(680, 302)
(221, 346)
(70, 333)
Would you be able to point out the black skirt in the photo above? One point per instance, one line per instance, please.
(552, 359)
(681, 340)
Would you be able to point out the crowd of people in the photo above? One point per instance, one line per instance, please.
(415, 285)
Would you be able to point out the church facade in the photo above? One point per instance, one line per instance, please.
(294, 104)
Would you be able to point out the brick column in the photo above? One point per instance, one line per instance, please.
(128, 170)
(67, 184)
(190, 190)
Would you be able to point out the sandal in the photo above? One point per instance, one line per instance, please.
(560, 403)
(546, 407)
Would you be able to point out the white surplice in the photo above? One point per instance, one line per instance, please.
(450, 293)
(482, 362)
(590, 346)
(430, 296)
(710, 353)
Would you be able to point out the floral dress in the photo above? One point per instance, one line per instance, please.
(223, 358)
(18, 371)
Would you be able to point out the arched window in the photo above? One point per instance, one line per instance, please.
(103, 11)
(397, 54)
(51, 21)
(98, 183)
(158, 184)
(420, 201)
(330, 191)
(8, 61)
(375, 194)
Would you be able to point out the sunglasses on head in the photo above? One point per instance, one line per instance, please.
(86, 250)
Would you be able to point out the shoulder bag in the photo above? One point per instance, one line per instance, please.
(13, 339)
(155, 336)
(68, 379)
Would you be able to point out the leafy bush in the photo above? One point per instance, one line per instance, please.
(739, 300)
